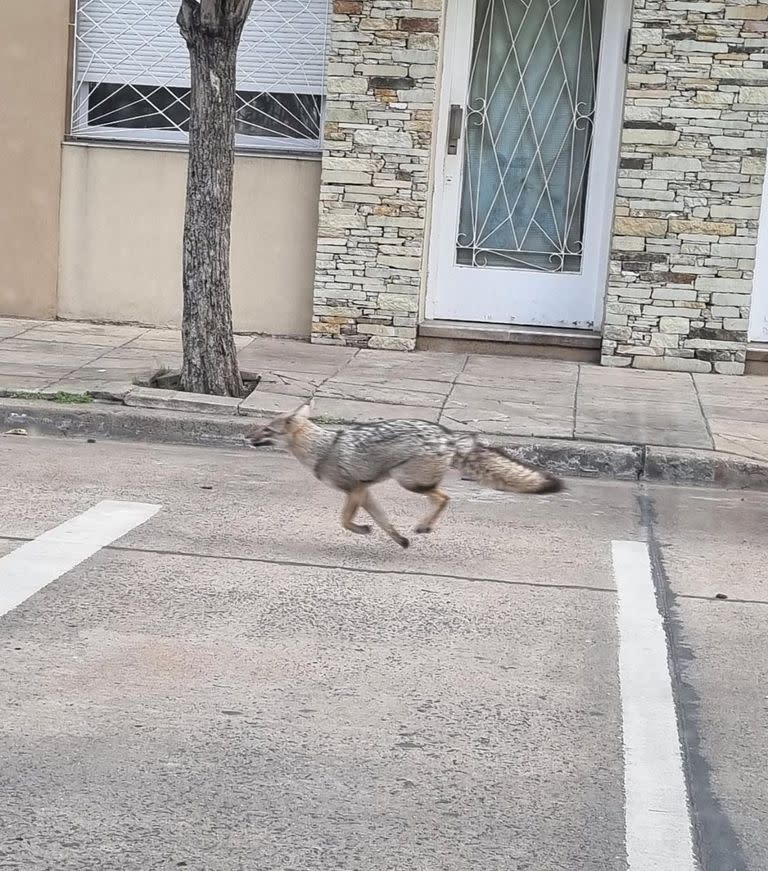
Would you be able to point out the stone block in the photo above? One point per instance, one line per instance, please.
(400, 262)
(414, 56)
(382, 69)
(753, 166)
(393, 343)
(619, 334)
(397, 302)
(756, 12)
(730, 299)
(737, 324)
(352, 164)
(665, 340)
(731, 249)
(726, 367)
(626, 226)
(347, 7)
(677, 325)
(346, 85)
(629, 243)
(644, 136)
(724, 285)
(690, 226)
(383, 136)
(639, 350)
(344, 177)
(677, 164)
(623, 308)
(419, 25)
(757, 96)
(671, 364)
(746, 213)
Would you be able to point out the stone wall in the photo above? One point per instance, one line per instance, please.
(692, 166)
(374, 193)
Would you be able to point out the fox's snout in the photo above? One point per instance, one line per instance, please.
(260, 438)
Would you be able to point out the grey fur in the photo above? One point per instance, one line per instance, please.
(415, 453)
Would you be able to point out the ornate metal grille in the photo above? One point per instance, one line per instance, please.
(132, 73)
(528, 133)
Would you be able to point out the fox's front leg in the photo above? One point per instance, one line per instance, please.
(354, 501)
(372, 507)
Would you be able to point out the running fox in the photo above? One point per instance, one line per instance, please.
(417, 454)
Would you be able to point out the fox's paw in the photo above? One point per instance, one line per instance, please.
(402, 541)
(422, 529)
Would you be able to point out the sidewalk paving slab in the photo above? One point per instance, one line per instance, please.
(494, 410)
(10, 327)
(300, 385)
(432, 394)
(108, 335)
(738, 419)
(262, 404)
(343, 410)
(393, 366)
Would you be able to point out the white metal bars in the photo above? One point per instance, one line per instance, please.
(529, 125)
(132, 73)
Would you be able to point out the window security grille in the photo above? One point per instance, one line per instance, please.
(132, 73)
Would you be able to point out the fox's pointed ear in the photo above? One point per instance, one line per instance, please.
(303, 411)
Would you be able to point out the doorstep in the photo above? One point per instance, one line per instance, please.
(582, 346)
(757, 358)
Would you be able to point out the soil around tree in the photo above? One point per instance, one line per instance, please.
(165, 379)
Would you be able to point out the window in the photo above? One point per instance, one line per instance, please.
(132, 73)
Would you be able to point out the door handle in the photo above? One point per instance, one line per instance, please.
(454, 128)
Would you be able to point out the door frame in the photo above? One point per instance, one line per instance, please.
(602, 190)
(758, 310)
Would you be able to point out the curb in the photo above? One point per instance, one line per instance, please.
(622, 462)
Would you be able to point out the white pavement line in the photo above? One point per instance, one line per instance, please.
(658, 821)
(35, 564)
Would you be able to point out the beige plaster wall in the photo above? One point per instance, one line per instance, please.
(122, 214)
(33, 70)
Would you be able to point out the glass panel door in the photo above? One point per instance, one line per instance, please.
(529, 122)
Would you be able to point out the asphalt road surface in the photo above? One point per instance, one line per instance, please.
(199, 669)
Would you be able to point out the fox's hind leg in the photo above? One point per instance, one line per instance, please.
(424, 476)
(439, 500)
(373, 508)
(354, 500)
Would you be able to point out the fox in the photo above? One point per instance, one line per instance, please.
(415, 453)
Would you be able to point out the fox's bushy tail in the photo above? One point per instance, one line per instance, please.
(495, 468)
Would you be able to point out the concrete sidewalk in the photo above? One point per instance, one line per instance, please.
(511, 397)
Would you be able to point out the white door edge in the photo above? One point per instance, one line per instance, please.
(758, 314)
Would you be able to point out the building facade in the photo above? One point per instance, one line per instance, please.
(568, 177)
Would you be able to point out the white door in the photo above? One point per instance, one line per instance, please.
(526, 166)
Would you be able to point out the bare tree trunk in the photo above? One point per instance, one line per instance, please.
(212, 30)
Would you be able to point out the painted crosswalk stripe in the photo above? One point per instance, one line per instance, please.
(29, 568)
(658, 823)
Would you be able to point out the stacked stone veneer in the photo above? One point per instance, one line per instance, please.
(376, 163)
(692, 167)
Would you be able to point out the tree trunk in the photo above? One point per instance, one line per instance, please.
(209, 354)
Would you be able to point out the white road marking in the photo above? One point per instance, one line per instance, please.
(658, 823)
(35, 564)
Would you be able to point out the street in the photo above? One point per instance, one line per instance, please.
(237, 683)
